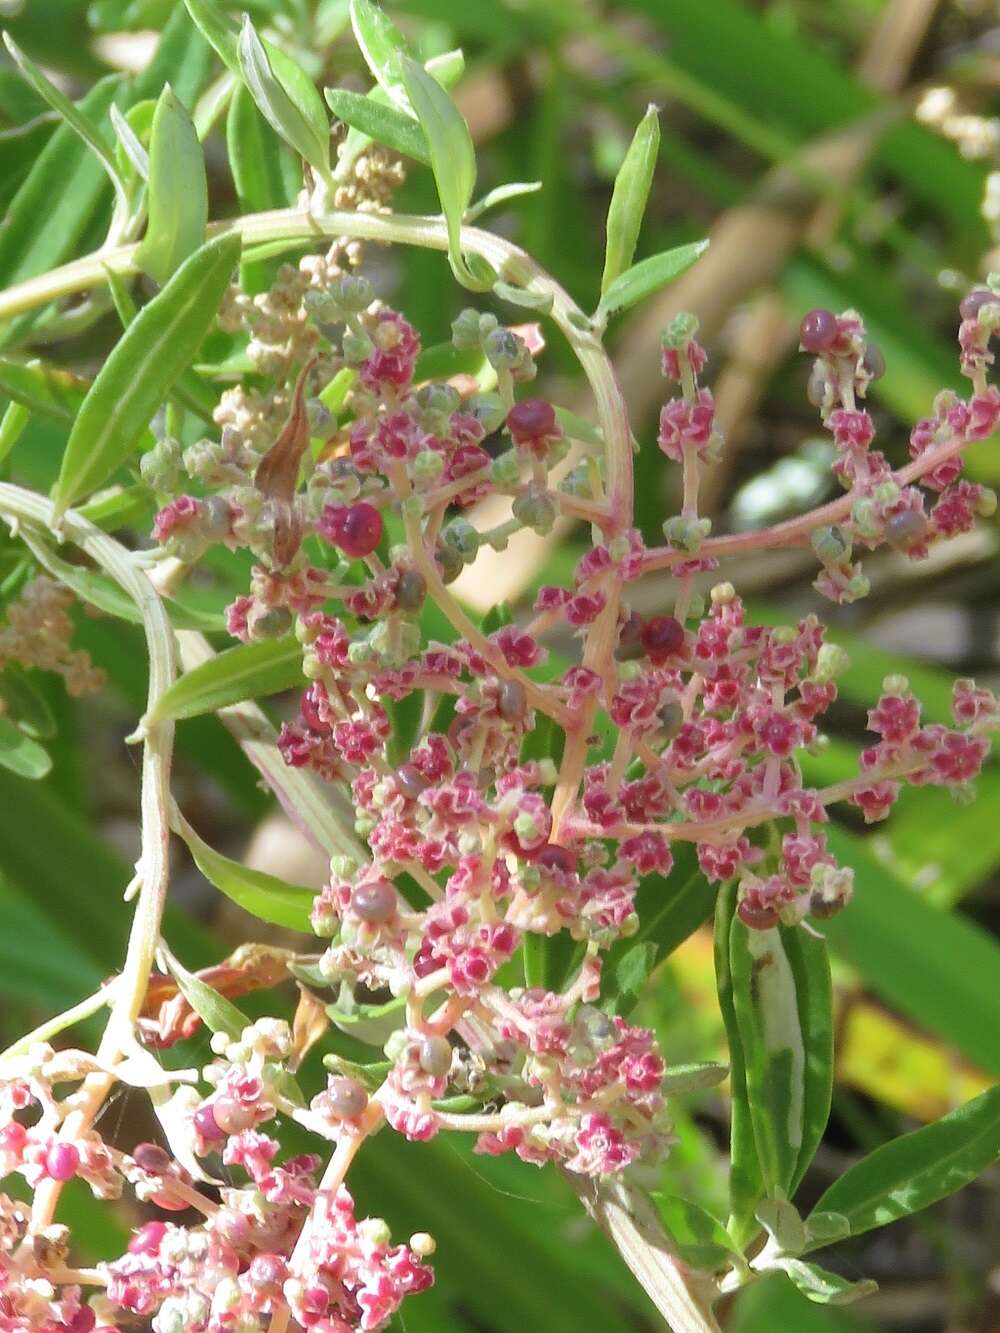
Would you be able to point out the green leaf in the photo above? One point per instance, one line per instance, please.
(810, 964)
(701, 1239)
(927, 963)
(825, 1288)
(142, 368)
(178, 191)
(669, 910)
(262, 895)
(254, 155)
(646, 277)
(773, 1304)
(767, 1016)
(244, 672)
(914, 1171)
(384, 124)
(287, 99)
(45, 390)
(21, 754)
(453, 158)
(629, 197)
(500, 195)
(132, 157)
(631, 974)
(56, 201)
(215, 1011)
(217, 31)
(383, 47)
(74, 116)
(746, 1182)
(25, 704)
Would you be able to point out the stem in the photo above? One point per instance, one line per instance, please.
(153, 868)
(53, 1026)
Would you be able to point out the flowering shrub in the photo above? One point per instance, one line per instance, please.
(518, 789)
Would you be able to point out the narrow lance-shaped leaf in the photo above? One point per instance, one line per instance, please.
(73, 115)
(916, 1170)
(384, 124)
(20, 753)
(142, 368)
(648, 276)
(217, 31)
(215, 1011)
(262, 895)
(825, 1288)
(453, 161)
(178, 190)
(244, 672)
(767, 1016)
(446, 68)
(286, 98)
(383, 47)
(746, 1184)
(129, 143)
(810, 965)
(46, 390)
(254, 155)
(628, 199)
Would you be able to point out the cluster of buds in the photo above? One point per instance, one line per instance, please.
(38, 633)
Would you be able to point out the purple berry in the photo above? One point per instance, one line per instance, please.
(554, 857)
(346, 1097)
(152, 1158)
(530, 420)
(818, 331)
(972, 304)
(512, 702)
(356, 529)
(435, 1056)
(374, 901)
(206, 1124)
(662, 637)
(62, 1161)
(905, 528)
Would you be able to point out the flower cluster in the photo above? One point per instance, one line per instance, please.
(512, 804)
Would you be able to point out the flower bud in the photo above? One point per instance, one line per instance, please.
(831, 546)
(411, 590)
(503, 349)
(356, 347)
(352, 293)
(488, 409)
(535, 510)
(462, 537)
(831, 661)
(681, 329)
(435, 1056)
(465, 331)
(687, 533)
(422, 1244)
(427, 466)
(268, 622)
(505, 471)
(864, 516)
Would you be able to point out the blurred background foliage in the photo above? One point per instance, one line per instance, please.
(838, 153)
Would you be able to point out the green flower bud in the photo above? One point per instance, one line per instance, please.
(681, 329)
(526, 828)
(535, 511)
(831, 661)
(352, 293)
(723, 594)
(986, 505)
(427, 466)
(488, 409)
(465, 334)
(865, 518)
(831, 546)
(896, 684)
(357, 347)
(462, 537)
(858, 587)
(687, 533)
(505, 471)
(503, 349)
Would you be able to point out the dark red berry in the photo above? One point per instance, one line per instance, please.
(757, 918)
(905, 528)
(974, 302)
(435, 1056)
(512, 702)
(818, 331)
(873, 362)
(356, 529)
(152, 1158)
(62, 1161)
(147, 1239)
(346, 1097)
(554, 857)
(374, 901)
(629, 644)
(532, 419)
(410, 781)
(206, 1124)
(662, 637)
